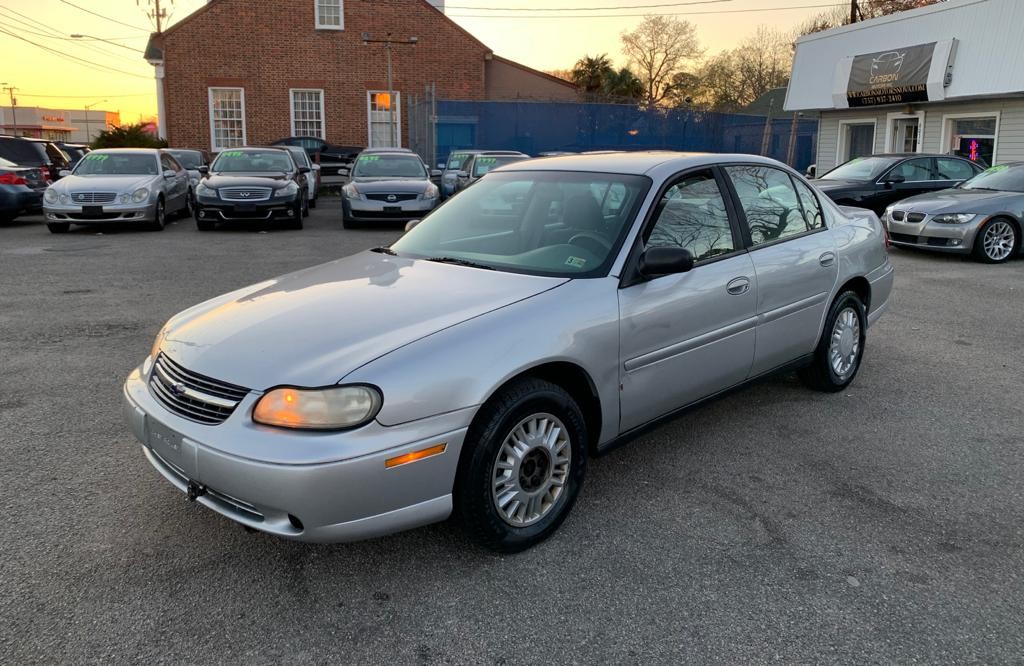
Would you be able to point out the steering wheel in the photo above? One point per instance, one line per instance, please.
(589, 240)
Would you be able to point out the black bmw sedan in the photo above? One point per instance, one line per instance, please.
(252, 184)
(879, 180)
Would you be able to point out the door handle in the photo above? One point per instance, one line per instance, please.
(738, 286)
(827, 259)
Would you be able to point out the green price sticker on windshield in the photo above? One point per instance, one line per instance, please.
(233, 153)
(369, 158)
(487, 160)
(93, 157)
(997, 168)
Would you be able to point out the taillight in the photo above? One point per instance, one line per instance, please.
(12, 179)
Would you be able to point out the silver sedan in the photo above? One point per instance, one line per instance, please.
(982, 217)
(549, 312)
(119, 185)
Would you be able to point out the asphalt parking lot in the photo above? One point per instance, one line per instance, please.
(880, 525)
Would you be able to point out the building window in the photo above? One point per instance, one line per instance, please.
(330, 14)
(384, 111)
(973, 138)
(855, 140)
(227, 118)
(308, 113)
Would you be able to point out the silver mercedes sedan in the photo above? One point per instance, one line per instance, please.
(981, 216)
(546, 314)
(119, 185)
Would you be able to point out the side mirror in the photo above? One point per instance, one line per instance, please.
(411, 224)
(204, 170)
(462, 174)
(316, 167)
(658, 261)
(170, 173)
(895, 178)
(812, 171)
(304, 169)
(435, 173)
(63, 173)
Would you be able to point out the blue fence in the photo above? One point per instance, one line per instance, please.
(535, 127)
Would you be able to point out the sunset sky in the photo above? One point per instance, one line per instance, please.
(537, 39)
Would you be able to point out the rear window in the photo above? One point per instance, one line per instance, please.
(25, 153)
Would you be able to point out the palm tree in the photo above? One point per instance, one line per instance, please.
(623, 86)
(591, 72)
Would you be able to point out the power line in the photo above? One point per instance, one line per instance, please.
(697, 13)
(67, 56)
(586, 9)
(82, 96)
(50, 32)
(89, 11)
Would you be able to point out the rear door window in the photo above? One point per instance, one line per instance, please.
(770, 203)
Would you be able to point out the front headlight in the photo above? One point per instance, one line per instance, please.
(203, 190)
(155, 349)
(50, 195)
(954, 218)
(65, 199)
(140, 195)
(289, 190)
(431, 192)
(351, 191)
(318, 409)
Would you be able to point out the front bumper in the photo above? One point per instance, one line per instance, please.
(364, 210)
(929, 235)
(348, 498)
(116, 212)
(215, 210)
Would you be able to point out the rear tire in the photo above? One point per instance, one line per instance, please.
(522, 466)
(841, 348)
(58, 227)
(996, 241)
(312, 202)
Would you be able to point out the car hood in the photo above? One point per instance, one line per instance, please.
(313, 327)
(826, 184)
(246, 180)
(958, 200)
(396, 185)
(103, 183)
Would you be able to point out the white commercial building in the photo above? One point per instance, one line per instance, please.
(947, 78)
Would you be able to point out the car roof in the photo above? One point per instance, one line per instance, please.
(129, 151)
(183, 150)
(902, 155)
(636, 163)
(404, 151)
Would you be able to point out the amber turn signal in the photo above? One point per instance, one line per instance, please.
(407, 458)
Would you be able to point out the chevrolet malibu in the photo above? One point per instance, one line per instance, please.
(544, 315)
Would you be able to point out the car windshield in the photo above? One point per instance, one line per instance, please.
(1002, 177)
(118, 164)
(189, 159)
(253, 161)
(389, 166)
(564, 224)
(487, 163)
(301, 158)
(456, 160)
(859, 168)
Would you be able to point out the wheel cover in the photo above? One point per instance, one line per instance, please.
(844, 349)
(531, 470)
(999, 240)
(160, 213)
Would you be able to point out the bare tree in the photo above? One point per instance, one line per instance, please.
(733, 79)
(867, 9)
(659, 48)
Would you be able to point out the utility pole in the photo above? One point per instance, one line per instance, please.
(157, 14)
(388, 42)
(14, 107)
(854, 10)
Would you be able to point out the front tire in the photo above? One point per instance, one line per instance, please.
(841, 348)
(522, 466)
(160, 217)
(997, 241)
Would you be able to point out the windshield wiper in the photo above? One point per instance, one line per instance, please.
(459, 262)
(384, 250)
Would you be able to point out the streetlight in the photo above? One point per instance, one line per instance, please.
(105, 41)
(88, 133)
(387, 42)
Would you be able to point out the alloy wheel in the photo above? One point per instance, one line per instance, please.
(531, 470)
(844, 348)
(999, 240)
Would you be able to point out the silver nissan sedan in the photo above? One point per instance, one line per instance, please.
(546, 314)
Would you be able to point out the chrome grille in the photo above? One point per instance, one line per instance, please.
(191, 395)
(392, 198)
(245, 193)
(915, 217)
(93, 197)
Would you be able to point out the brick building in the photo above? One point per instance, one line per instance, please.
(239, 72)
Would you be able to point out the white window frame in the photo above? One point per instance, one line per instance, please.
(323, 115)
(341, 16)
(841, 139)
(396, 99)
(213, 135)
(947, 131)
(890, 135)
